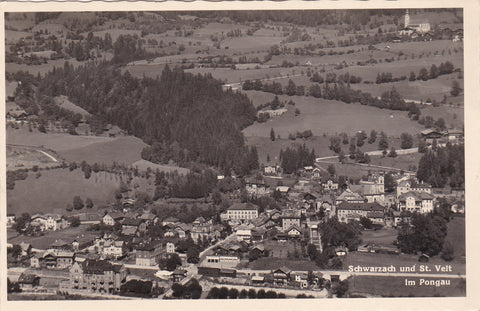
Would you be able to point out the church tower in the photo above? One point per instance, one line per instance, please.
(407, 19)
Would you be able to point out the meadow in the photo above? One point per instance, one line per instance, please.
(55, 188)
(329, 117)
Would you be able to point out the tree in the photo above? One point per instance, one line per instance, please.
(178, 290)
(383, 143)
(77, 202)
(392, 153)
(331, 169)
(448, 251)
(297, 111)
(423, 74)
(272, 134)
(407, 141)
(412, 76)
(172, 262)
(291, 88)
(389, 182)
(193, 254)
(233, 293)
(455, 91)
(422, 146)
(74, 221)
(373, 137)
(366, 222)
(73, 166)
(89, 203)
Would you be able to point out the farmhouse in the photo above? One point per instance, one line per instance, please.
(256, 187)
(112, 217)
(28, 281)
(281, 276)
(430, 135)
(347, 211)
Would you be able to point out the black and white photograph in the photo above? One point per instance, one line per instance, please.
(235, 154)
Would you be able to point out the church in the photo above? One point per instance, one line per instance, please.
(412, 26)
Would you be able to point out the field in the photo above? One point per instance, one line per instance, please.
(63, 102)
(383, 237)
(330, 117)
(24, 157)
(123, 150)
(389, 286)
(92, 149)
(143, 165)
(43, 242)
(54, 189)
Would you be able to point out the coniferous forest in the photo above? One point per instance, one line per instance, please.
(187, 117)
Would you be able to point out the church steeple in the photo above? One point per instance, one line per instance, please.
(407, 19)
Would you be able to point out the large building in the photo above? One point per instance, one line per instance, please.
(420, 202)
(97, 276)
(412, 186)
(355, 211)
(242, 211)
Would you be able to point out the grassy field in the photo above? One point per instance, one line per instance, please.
(92, 149)
(383, 237)
(24, 157)
(63, 102)
(122, 150)
(143, 165)
(54, 141)
(54, 189)
(330, 117)
(388, 286)
(43, 242)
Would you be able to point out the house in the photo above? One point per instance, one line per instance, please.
(347, 211)
(178, 275)
(39, 221)
(401, 217)
(97, 276)
(60, 245)
(430, 135)
(412, 186)
(149, 218)
(454, 135)
(290, 218)
(36, 260)
(112, 217)
(242, 211)
(301, 278)
(170, 221)
(64, 259)
(256, 187)
(330, 184)
(26, 249)
(283, 190)
(134, 223)
(293, 232)
(114, 249)
(419, 202)
(145, 255)
(56, 222)
(350, 197)
(271, 169)
(170, 248)
(281, 276)
(11, 219)
(316, 173)
(244, 235)
(129, 231)
(28, 281)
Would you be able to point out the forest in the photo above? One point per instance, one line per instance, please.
(187, 116)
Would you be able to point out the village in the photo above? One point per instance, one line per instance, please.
(300, 170)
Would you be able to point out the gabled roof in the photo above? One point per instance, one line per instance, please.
(242, 207)
(349, 195)
(27, 278)
(369, 207)
(115, 215)
(419, 196)
(132, 222)
(283, 269)
(99, 267)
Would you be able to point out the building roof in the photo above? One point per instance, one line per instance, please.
(369, 207)
(27, 278)
(242, 207)
(419, 196)
(115, 215)
(99, 267)
(349, 195)
(131, 222)
(283, 269)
